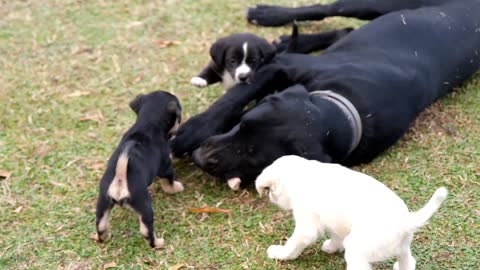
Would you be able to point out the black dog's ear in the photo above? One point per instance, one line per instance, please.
(136, 104)
(267, 51)
(217, 52)
(174, 109)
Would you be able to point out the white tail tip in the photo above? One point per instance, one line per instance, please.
(440, 194)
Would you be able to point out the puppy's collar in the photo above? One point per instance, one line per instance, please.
(350, 111)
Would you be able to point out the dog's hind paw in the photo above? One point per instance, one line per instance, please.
(103, 237)
(171, 188)
(178, 187)
(329, 246)
(159, 243)
(198, 82)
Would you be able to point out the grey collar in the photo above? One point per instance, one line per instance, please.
(350, 112)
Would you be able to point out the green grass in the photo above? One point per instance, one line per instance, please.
(106, 52)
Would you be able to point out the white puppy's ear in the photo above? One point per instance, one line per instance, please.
(264, 183)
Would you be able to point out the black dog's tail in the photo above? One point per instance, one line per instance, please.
(293, 44)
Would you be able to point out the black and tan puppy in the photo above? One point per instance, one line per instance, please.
(234, 60)
(142, 154)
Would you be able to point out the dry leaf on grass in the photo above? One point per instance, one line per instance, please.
(167, 43)
(97, 166)
(18, 210)
(77, 94)
(109, 265)
(4, 175)
(209, 210)
(41, 150)
(176, 266)
(96, 117)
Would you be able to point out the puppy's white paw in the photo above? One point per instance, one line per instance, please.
(159, 243)
(171, 188)
(198, 82)
(330, 247)
(277, 252)
(177, 187)
(396, 266)
(234, 183)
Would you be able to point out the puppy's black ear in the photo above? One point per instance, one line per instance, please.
(267, 51)
(174, 109)
(217, 52)
(136, 104)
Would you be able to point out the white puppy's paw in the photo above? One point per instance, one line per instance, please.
(277, 252)
(396, 266)
(198, 82)
(330, 246)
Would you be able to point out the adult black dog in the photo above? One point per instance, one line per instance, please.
(379, 77)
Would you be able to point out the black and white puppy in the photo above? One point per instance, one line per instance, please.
(234, 60)
(142, 154)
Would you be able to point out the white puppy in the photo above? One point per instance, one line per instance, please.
(361, 215)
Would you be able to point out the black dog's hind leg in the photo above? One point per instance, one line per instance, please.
(104, 206)
(307, 43)
(207, 76)
(267, 15)
(144, 209)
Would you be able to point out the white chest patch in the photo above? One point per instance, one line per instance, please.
(243, 69)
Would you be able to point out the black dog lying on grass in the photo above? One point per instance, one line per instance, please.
(373, 82)
(142, 155)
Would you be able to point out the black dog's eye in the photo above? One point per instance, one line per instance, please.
(233, 61)
(253, 60)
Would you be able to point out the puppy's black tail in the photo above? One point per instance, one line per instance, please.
(118, 189)
(293, 44)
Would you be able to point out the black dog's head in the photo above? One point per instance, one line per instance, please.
(239, 55)
(159, 108)
(287, 123)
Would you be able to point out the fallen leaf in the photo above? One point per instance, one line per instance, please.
(77, 94)
(167, 43)
(176, 266)
(138, 79)
(96, 117)
(41, 150)
(93, 236)
(97, 166)
(209, 210)
(78, 50)
(4, 175)
(109, 265)
(18, 210)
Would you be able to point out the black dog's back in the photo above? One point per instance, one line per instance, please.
(394, 67)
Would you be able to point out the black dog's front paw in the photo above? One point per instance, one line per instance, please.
(191, 134)
(267, 15)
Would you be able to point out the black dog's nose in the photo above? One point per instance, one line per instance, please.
(243, 77)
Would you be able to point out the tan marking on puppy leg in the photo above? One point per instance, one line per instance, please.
(234, 183)
(102, 230)
(143, 228)
(159, 242)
